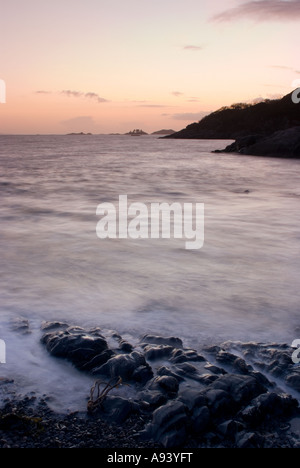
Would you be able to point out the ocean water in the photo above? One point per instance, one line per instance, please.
(244, 284)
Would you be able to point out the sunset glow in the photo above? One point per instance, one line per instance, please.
(104, 67)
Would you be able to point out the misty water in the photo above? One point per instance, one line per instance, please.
(244, 284)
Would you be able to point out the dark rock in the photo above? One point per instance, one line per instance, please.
(247, 440)
(125, 346)
(175, 438)
(285, 143)
(187, 369)
(207, 379)
(154, 399)
(75, 344)
(20, 325)
(242, 389)
(153, 353)
(98, 360)
(240, 366)
(185, 355)
(166, 383)
(226, 358)
(168, 426)
(215, 369)
(269, 405)
(293, 381)
(200, 420)
(219, 402)
(166, 371)
(51, 326)
(192, 399)
(129, 367)
(117, 409)
(229, 429)
(159, 340)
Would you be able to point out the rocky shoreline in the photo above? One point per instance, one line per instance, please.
(237, 395)
(282, 144)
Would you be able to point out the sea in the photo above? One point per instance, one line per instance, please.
(242, 285)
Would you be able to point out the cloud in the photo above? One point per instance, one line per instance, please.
(43, 92)
(262, 10)
(193, 48)
(83, 123)
(80, 94)
(154, 106)
(193, 116)
(177, 93)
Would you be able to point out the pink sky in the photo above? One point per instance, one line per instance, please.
(101, 67)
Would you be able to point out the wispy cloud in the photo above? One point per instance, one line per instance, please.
(193, 99)
(80, 94)
(193, 48)
(43, 92)
(177, 93)
(154, 106)
(76, 94)
(263, 10)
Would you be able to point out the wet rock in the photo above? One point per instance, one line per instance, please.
(242, 389)
(168, 425)
(241, 367)
(154, 399)
(118, 410)
(166, 383)
(248, 440)
(20, 325)
(293, 381)
(186, 355)
(51, 326)
(125, 347)
(219, 402)
(75, 344)
(153, 353)
(166, 371)
(160, 340)
(269, 405)
(98, 360)
(225, 358)
(215, 369)
(229, 429)
(200, 420)
(192, 398)
(207, 379)
(129, 367)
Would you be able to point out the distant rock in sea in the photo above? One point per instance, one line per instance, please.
(136, 132)
(79, 134)
(164, 132)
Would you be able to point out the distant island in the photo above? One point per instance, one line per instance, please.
(164, 132)
(136, 132)
(80, 134)
(270, 128)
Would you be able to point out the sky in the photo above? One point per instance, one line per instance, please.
(111, 66)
